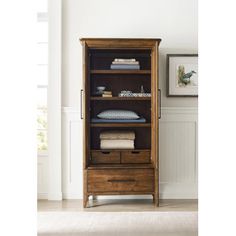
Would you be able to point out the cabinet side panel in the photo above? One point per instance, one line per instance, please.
(154, 119)
(85, 116)
(85, 105)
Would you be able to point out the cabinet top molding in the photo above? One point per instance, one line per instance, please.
(121, 42)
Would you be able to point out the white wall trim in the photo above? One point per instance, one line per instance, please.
(54, 100)
(55, 196)
(68, 110)
(42, 196)
(179, 110)
(178, 191)
(165, 110)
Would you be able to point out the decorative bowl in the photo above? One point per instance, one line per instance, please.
(101, 88)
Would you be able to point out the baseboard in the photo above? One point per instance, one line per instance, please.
(42, 196)
(71, 195)
(55, 196)
(178, 191)
(168, 194)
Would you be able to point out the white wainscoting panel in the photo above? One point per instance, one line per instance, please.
(42, 186)
(72, 154)
(178, 153)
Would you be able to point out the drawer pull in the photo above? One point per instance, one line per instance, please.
(105, 152)
(120, 180)
(135, 152)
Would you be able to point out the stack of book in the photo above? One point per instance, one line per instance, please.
(125, 64)
(107, 94)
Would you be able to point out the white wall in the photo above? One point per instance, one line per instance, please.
(174, 21)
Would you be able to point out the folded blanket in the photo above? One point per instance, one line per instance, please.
(117, 135)
(117, 144)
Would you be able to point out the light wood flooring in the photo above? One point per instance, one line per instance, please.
(118, 205)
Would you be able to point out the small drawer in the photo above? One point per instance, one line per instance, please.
(121, 181)
(105, 157)
(142, 156)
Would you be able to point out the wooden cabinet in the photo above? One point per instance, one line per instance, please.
(119, 171)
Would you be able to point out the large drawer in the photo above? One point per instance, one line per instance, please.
(121, 180)
(105, 157)
(135, 157)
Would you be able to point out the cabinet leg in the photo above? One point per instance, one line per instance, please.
(94, 198)
(85, 201)
(155, 199)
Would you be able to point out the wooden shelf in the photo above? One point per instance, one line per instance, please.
(120, 98)
(118, 166)
(120, 71)
(120, 150)
(120, 124)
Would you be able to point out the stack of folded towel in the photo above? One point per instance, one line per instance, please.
(117, 139)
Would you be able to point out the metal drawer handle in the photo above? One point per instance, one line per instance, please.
(81, 104)
(105, 152)
(159, 101)
(120, 180)
(135, 152)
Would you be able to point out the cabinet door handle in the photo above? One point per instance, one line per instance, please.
(81, 104)
(159, 102)
(120, 180)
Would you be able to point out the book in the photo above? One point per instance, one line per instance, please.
(107, 95)
(125, 67)
(122, 59)
(107, 92)
(125, 63)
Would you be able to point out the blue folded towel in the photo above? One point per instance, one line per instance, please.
(97, 120)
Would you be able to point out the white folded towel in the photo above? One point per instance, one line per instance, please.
(117, 144)
(117, 135)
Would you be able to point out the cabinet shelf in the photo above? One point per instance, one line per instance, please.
(120, 98)
(120, 71)
(133, 150)
(118, 166)
(120, 125)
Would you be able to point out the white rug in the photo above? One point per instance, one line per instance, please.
(117, 223)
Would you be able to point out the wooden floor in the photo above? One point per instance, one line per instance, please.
(118, 205)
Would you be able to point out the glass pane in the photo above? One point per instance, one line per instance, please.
(42, 31)
(42, 75)
(42, 97)
(42, 129)
(42, 5)
(42, 54)
(42, 140)
(42, 118)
